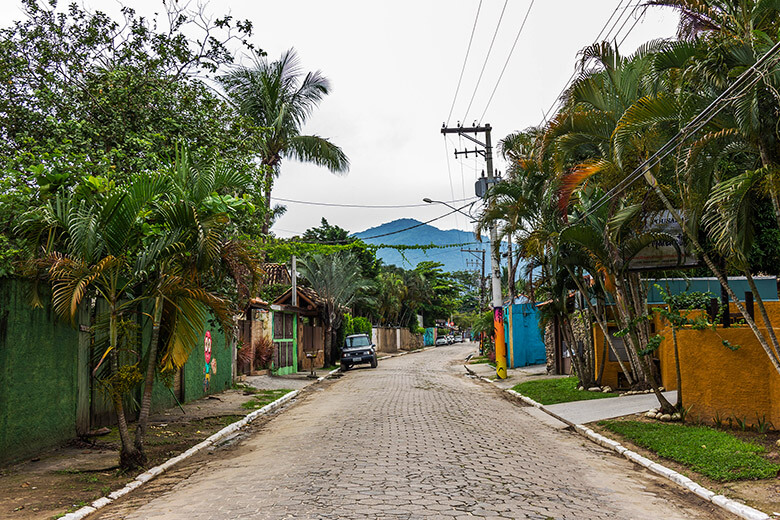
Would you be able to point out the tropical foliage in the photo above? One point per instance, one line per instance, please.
(582, 190)
(279, 98)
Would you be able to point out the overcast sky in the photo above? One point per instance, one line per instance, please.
(394, 67)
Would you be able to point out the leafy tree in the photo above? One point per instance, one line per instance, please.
(277, 96)
(443, 290)
(163, 240)
(327, 234)
(337, 280)
(86, 100)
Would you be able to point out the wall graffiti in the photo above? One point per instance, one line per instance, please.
(210, 366)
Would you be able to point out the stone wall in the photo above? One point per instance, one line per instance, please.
(392, 339)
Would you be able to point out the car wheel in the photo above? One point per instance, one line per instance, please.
(373, 362)
(344, 367)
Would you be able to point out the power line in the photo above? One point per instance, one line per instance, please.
(479, 79)
(364, 206)
(625, 22)
(350, 240)
(417, 225)
(449, 173)
(574, 73)
(522, 25)
(638, 18)
(465, 59)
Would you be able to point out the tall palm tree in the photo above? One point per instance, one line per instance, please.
(88, 251)
(188, 245)
(279, 98)
(337, 280)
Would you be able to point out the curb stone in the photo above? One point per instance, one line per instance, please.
(388, 356)
(732, 506)
(150, 474)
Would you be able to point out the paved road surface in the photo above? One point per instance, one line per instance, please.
(414, 439)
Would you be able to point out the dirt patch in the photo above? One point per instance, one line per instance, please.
(230, 449)
(761, 494)
(64, 479)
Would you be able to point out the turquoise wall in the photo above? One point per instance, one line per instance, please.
(524, 342)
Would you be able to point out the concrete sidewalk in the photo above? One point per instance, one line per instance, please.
(577, 412)
(513, 375)
(296, 381)
(582, 412)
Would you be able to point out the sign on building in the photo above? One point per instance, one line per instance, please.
(663, 254)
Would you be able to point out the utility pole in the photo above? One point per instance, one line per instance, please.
(495, 256)
(294, 276)
(480, 254)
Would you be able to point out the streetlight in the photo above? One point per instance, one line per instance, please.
(453, 208)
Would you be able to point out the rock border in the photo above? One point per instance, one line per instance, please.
(732, 506)
(168, 464)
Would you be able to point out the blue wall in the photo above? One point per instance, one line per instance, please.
(767, 287)
(525, 345)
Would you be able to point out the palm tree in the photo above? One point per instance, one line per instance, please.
(278, 98)
(161, 239)
(188, 245)
(88, 251)
(337, 280)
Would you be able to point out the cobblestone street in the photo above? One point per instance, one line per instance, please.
(415, 438)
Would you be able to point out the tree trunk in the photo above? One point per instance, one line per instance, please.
(600, 377)
(677, 367)
(583, 374)
(129, 457)
(604, 330)
(630, 339)
(328, 345)
(269, 181)
(151, 367)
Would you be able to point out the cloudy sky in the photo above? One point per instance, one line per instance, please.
(394, 68)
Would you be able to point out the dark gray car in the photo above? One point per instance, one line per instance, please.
(357, 349)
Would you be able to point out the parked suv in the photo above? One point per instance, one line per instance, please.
(357, 349)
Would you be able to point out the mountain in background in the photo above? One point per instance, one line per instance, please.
(424, 234)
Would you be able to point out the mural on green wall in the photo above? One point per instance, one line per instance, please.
(210, 367)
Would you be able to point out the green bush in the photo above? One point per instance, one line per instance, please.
(361, 325)
(355, 325)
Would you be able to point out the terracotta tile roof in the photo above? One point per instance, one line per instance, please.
(311, 294)
(275, 274)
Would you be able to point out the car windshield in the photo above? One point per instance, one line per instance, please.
(358, 341)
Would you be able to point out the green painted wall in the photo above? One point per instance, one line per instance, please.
(193, 370)
(38, 375)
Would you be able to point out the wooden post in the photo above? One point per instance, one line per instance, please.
(713, 309)
(83, 371)
(749, 304)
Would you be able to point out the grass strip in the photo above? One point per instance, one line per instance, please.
(264, 397)
(560, 390)
(715, 454)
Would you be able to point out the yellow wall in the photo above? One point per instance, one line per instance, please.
(716, 380)
(719, 381)
(612, 368)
